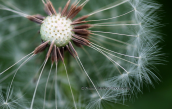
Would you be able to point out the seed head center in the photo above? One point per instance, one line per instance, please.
(56, 28)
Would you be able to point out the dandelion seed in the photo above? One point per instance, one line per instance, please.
(12, 102)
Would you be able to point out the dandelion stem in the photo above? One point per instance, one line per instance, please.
(113, 33)
(28, 84)
(112, 17)
(89, 78)
(105, 24)
(108, 8)
(112, 39)
(116, 56)
(84, 73)
(56, 86)
(97, 49)
(26, 29)
(8, 17)
(85, 2)
(16, 63)
(94, 65)
(33, 98)
(11, 5)
(115, 52)
(16, 73)
(70, 86)
(46, 85)
(8, 9)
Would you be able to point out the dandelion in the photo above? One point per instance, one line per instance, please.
(125, 36)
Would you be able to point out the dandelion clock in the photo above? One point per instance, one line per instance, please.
(77, 54)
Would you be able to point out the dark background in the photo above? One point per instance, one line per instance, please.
(159, 97)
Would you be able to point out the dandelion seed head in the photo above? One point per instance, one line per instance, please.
(56, 28)
(124, 34)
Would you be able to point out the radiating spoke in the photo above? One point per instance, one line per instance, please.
(70, 86)
(33, 98)
(46, 85)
